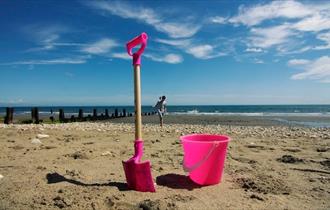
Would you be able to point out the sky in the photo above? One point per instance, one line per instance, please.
(199, 52)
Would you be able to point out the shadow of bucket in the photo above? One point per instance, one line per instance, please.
(204, 157)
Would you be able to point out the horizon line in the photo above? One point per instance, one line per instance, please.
(31, 105)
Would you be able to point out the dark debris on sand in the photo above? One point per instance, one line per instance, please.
(78, 155)
(265, 184)
(289, 159)
(61, 202)
(157, 205)
(326, 163)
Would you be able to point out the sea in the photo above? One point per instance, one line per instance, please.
(315, 115)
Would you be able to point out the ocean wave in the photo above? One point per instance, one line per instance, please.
(254, 114)
(304, 123)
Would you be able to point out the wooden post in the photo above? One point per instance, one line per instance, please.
(9, 115)
(35, 115)
(124, 112)
(61, 115)
(94, 114)
(106, 113)
(81, 114)
(116, 113)
(32, 114)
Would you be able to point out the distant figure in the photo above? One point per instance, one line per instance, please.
(52, 118)
(161, 109)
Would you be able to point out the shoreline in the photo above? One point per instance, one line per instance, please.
(295, 121)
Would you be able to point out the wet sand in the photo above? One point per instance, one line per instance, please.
(78, 166)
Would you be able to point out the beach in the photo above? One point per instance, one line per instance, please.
(270, 165)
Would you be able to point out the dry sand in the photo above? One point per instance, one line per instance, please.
(79, 167)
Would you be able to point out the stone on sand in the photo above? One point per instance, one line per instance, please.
(36, 141)
(106, 153)
(41, 136)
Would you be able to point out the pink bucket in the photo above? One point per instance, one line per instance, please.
(204, 157)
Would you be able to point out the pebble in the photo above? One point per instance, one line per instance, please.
(1, 177)
(106, 153)
(41, 136)
(251, 131)
(36, 141)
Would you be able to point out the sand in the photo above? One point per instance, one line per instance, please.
(78, 166)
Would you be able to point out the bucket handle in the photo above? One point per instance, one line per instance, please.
(199, 163)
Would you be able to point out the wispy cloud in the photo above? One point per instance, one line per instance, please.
(175, 42)
(123, 55)
(288, 21)
(174, 29)
(200, 51)
(254, 49)
(169, 58)
(77, 60)
(256, 14)
(318, 69)
(258, 61)
(100, 47)
(298, 62)
(16, 101)
(44, 35)
(204, 52)
(315, 23)
(268, 37)
(325, 37)
(218, 19)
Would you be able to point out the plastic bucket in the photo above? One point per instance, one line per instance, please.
(204, 157)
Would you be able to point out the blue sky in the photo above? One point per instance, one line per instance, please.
(199, 52)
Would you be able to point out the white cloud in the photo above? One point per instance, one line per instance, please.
(204, 51)
(78, 60)
(169, 58)
(318, 69)
(326, 38)
(177, 30)
(218, 19)
(200, 51)
(258, 61)
(124, 56)
(298, 62)
(175, 42)
(297, 18)
(65, 44)
(44, 35)
(16, 101)
(253, 49)
(268, 37)
(100, 47)
(255, 15)
(317, 22)
(147, 16)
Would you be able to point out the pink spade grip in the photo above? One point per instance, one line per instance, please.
(142, 40)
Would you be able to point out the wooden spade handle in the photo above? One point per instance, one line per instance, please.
(137, 101)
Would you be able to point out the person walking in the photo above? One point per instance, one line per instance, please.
(161, 109)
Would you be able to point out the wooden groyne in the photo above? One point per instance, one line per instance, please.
(62, 118)
(9, 115)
